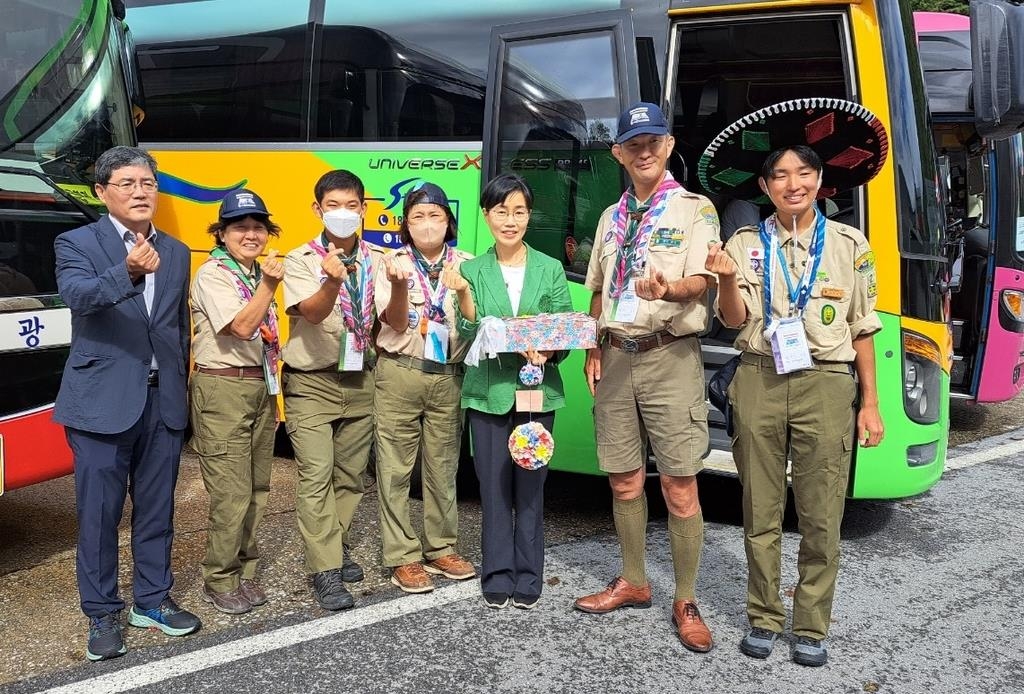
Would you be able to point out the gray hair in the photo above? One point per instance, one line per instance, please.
(118, 157)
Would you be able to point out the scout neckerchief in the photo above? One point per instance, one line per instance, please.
(427, 274)
(246, 286)
(799, 294)
(632, 226)
(360, 282)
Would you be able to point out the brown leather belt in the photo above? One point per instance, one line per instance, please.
(632, 344)
(233, 371)
(761, 360)
(425, 365)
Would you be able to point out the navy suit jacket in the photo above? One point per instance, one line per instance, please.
(114, 337)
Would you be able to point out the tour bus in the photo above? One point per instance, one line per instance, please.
(64, 99)
(270, 95)
(986, 199)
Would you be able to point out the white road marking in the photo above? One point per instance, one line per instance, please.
(188, 663)
(958, 462)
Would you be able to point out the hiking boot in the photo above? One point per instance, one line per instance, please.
(351, 572)
(105, 640)
(810, 652)
(452, 566)
(168, 618)
(758, 642)
(412, 578)
(231, 602)
(253, 592)
(330, 591)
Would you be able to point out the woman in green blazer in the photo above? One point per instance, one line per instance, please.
(510, 279)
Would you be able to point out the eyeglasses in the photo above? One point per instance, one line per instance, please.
(501, 215)
(148, 185)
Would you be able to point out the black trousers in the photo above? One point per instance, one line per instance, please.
(512, 544)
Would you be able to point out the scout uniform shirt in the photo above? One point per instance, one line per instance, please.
(317, 347)
(842, 301)
(411, 341)
(678, 247)
(215, 302)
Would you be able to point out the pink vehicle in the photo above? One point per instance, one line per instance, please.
(985, 175)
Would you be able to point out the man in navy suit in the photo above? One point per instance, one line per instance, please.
(122, 398)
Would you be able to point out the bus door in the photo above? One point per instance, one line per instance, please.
(555, 91)
(35, 325)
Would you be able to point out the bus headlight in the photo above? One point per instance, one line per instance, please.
(922, 382)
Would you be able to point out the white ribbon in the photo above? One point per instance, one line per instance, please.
(490, 340)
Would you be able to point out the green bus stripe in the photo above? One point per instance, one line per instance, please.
(93, 40)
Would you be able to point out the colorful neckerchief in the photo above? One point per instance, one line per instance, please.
(359, 283)
(246, 286)
(801, 293)
(433, 298)
(633, 256)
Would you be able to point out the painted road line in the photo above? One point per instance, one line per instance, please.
(967, 459)
(221, 654)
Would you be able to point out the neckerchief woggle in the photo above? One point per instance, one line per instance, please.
(433, 298)
(246, 286)
(801, 293)
(626, 263)
(350, 293)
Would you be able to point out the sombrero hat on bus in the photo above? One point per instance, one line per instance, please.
(850, 140)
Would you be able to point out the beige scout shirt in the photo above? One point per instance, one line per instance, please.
(678, 248)
(410, 342)
(842, 302)
(215, 303)
(313, 347)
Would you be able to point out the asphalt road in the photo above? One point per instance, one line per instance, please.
(929, 600)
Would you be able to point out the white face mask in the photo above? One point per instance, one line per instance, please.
(342, 223)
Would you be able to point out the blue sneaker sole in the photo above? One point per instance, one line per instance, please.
(144, 622)
(95, 658)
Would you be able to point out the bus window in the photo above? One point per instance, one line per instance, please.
(228, 89)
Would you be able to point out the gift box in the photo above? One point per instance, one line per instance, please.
(550, 332)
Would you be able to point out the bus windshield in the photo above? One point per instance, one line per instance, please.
(63, 94)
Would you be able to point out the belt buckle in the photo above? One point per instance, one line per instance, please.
(629, 345)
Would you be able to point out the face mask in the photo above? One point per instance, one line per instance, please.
(342, 223)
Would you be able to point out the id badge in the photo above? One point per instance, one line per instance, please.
(435, 343)
(270, 378)
(789, 346)
(628, 305)
(351, 357)
(529, 401)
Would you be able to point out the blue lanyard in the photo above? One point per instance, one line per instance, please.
(801, 293)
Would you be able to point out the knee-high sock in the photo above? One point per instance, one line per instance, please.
(631, 526)
(686, 536)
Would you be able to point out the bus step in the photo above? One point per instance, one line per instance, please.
(958, 372)
(958, 333)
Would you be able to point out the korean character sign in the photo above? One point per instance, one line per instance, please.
(30, 328)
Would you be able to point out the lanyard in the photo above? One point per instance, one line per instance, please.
(801, 293)
(357, 291)
(246, 286)
(433, 298)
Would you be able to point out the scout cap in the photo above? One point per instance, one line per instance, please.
(242, 202)
(427, 193)
(641, 119)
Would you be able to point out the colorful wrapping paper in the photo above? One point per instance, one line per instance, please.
(550, 332)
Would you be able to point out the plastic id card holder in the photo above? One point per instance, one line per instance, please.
(628, 304)
(350, 357)
(789, 346)
(435, 343)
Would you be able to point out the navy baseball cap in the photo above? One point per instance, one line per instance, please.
(642, 118)
(429, 193)
(242, 202)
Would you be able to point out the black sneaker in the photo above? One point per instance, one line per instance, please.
(758, 642)
(105, 640)
(168, 618)
(524, 602)
(810, 652)
(330, 591)
(496, 601)
(350, 571)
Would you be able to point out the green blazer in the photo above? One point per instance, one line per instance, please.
(491, 386)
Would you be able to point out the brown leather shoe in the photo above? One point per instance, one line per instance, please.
(693, 632)
(232, 602)
(619, 593)
(451, 565)
(412, 578)
(253, 592)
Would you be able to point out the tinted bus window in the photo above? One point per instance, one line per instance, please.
(228, 89)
